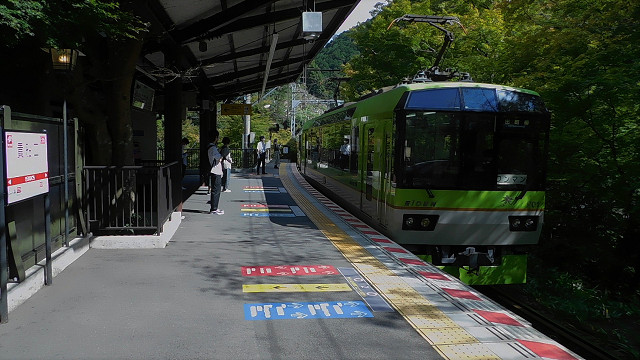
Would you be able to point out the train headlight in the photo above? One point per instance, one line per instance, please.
(523, 223)
(409, 222)
(419, 222)
(529, 223)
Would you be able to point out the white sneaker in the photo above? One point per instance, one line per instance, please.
(228, 190)
(219, 212)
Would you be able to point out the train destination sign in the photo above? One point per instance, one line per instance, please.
(307, 310)
(26, 163)
(289, 270)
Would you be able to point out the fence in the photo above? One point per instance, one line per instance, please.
(131, 200)
(242, 158)
(24, 219)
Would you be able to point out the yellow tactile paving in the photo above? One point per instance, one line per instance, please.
(433, 321)
(450, 340)
(448, 336)
(475, 351)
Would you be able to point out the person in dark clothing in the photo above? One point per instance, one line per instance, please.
(226, 164)
(216, 172)
(262, 156)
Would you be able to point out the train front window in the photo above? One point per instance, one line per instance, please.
(472, 150)
(431, 155)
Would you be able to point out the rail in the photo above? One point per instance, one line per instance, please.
(131, 200)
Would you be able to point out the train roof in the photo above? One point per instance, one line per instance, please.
(378, 100)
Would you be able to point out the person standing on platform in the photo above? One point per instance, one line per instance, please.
(262, 156)
(216, 172)
(276, 154)
(226, 164)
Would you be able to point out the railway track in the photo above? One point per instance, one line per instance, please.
(571, 339)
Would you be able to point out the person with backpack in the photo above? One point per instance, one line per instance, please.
(216, 172)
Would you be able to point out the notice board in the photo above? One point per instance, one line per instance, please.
(27, 168)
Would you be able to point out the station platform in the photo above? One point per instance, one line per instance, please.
(284, 274)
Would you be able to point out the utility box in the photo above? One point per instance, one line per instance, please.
(311, 25)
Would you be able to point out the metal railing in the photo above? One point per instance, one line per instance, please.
(242, 158)
(131, 200)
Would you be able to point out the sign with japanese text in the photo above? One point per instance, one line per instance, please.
(235, 109)
(27, 168)
(289, 270)
(307, 310)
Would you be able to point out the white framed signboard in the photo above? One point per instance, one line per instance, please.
(27, 168)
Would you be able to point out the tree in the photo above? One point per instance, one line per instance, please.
(582, 56)
(390, 54)
(332, 57)
(110, 36)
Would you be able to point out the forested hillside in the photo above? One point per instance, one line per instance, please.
(339, 51)
(582, 57)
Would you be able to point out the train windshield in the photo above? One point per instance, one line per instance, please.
(472, 150)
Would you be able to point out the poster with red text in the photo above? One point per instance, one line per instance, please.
(27, 168)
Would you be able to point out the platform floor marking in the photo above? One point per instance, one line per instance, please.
(262, 206)
(269, 210)
(252, 288)
(289, 270)
(262, 189)
(401, 296)
(297, 211)
(307, 310)
(267, 215)
(546, 350)
(365, 290)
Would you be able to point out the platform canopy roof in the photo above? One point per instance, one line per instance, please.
(228, 44)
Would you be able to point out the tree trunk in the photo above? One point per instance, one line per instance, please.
(119, 99)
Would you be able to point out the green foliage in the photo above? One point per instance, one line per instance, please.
(595, 310)
(333, 57)
(65, 23)
(582, 57)
(390, 54)
(261, 121)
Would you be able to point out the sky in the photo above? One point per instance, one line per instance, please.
(359, 14)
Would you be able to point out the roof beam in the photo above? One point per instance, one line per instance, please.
(251, 52)
(254, 70)
(254, 85)
(261, 20)
(219, 19)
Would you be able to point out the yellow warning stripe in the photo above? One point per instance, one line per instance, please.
(449, 339)
(295, 287)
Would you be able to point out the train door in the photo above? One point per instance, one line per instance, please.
(385, 177)
(370, 173)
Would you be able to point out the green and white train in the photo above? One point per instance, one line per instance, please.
(453, 171)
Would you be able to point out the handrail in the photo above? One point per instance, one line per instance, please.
(128, 200)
